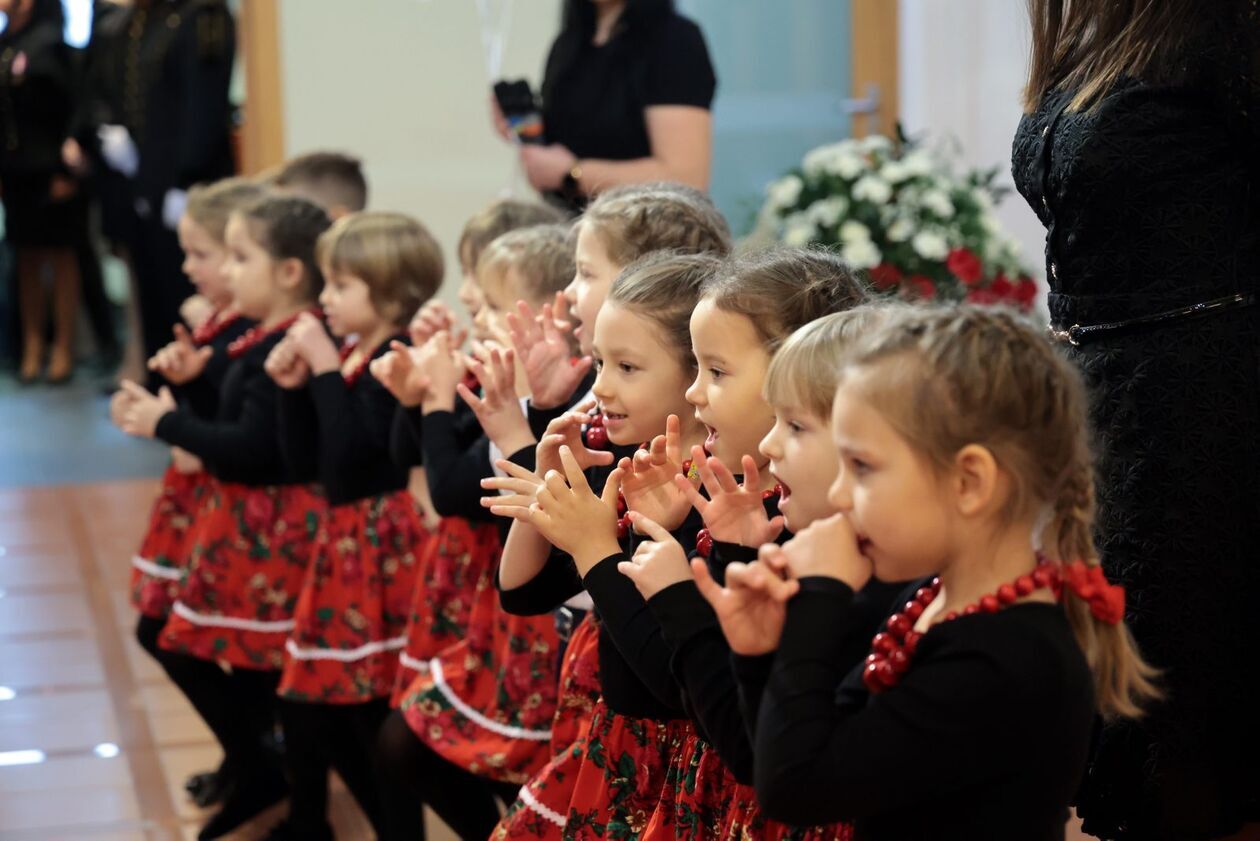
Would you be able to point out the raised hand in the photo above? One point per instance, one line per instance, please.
(145, 410)
(827, 547)
(431, 318)
(521, 485)
(657, 563)
(566, 430)
(544, 347)
(286, 367)
(181, 361)
(196, 310)
(751, 608)
(312, 343)
(443, 367)
(498, 410)
(649, 485)
(734, 512)
(572, 518)
(396, 369)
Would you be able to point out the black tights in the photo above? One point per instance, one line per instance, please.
(237, 706)
(412, 775)
(322, 736)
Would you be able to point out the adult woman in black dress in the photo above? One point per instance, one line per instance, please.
(44, 215)
(625, 99)
(1139, 154)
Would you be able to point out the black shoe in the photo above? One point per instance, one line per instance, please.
(285, 831)
(249, 799)
(209, 787)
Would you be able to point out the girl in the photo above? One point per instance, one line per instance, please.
(195, 363)
(472, 725)
(351, 616)
(963, 447)
(645, 363)
(251, 545)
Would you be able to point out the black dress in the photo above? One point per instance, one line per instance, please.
(1152, 203)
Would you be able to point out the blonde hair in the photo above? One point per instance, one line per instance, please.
(633, 221)
(950, 377)
(541, 256)
(782, 289)
(496, 220)
(392, 253)
(664, 287)
(806, 369)
(210, 205)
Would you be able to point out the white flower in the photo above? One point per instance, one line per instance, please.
(900, 230)
(990, 222)
(854, 231)
(982, 198)
(875, 143)
(894, 172)
(823, 159)
(930, 245)
(861, 254)
(847, 166)
(784, 192)
(873, 189)
(827, 212)
(938, 202)
(798, 230)
(919, 163)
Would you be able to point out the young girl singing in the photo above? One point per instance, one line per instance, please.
(644, 362)
(195, 364)
(964, 461)
(351, 617)
(252, 542)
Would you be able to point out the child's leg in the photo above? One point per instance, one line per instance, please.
(397, 769)
(351, 736)
(306, 765)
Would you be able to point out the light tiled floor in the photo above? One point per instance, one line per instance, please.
(77, 680)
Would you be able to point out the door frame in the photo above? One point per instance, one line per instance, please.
(873, 45)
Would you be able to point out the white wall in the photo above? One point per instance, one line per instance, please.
(402, 84)
(962, 66)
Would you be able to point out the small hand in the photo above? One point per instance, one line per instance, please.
(545, 351)
(733, 513)
(657, 563)
(286, 367)
(572, 518)
(142, 416)
(181, 361)
(431, 318)
(498, 410)
(312, 343)
(396, 369)
(443, 367)
(649, 485)
(566, 430)
(751, 608)
(521, 485)
(827, 547)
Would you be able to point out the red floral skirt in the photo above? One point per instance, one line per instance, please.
(351, 618)
(447, 573)
(543, 805)
(158, 567)
(622, 776)
(249, 553)
(487, 702)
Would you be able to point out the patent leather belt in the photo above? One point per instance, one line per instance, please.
(1078, 334)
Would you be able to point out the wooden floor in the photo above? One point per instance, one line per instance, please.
(94, 742)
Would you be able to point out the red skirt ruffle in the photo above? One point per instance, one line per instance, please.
(351, 619)
(158, 567)
(542, 808)
(447, 573)
(249, 553)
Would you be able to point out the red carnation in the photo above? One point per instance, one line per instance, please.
(885, 276)
(922, 286)
(1001, 288)
(980, 295)
(965, 265)
(1026, 292)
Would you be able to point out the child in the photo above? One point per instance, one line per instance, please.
(196, 363)
(471, 726)
(251, 545)
(645, 362)
(332, 180)
(351, 616)
(963, 446)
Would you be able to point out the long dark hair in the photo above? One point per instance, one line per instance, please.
(1089, 45)
(577, 28)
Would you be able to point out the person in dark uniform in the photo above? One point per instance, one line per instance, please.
(625, 100)
(164, 123)
(44, 214)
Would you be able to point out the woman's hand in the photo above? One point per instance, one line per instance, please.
(181, 361)
(145, 410)
(657, 563)
(546, 166)
(396, 369)
(827, 547)
(544, 347)
(572, 518)
(751, 608)
(566, 430)
(500, 122)
(498, 410)
(649, 484)
(286, 367)
(312, 343)
(733, 513)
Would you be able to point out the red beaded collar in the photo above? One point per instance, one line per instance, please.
(213, 327)
(255, 335)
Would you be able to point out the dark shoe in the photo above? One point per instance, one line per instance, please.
(209, 787)
(285, 831)
(249, 799)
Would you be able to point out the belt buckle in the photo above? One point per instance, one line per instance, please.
(1070, 336)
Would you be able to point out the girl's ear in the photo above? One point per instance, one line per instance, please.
(979, 485)
(290, 274)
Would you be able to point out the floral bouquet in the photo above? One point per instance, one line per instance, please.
(898, 212)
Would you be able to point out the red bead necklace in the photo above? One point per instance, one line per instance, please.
(213, 327)
(254, 335)
(893, 648)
